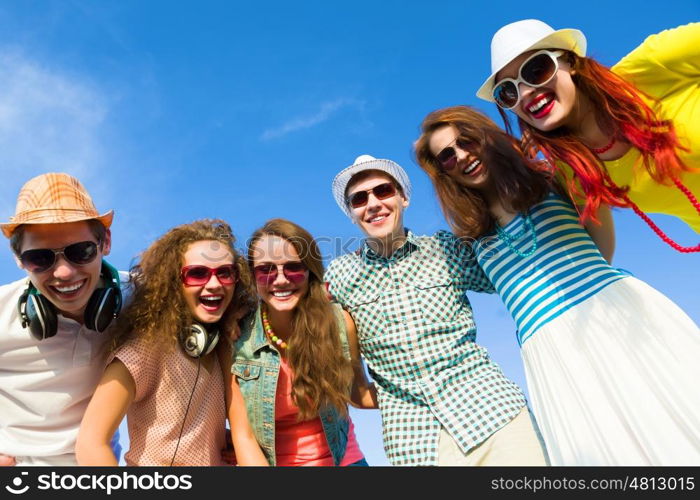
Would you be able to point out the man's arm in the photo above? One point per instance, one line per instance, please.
(364, 393)
(463, 253)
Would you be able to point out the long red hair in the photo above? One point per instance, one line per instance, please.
(622, 113)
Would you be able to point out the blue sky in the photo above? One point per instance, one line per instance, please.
(173, 111)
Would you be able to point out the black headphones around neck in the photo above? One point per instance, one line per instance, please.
(41, 316)
(198, 340)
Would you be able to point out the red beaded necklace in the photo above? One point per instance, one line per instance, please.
(693, 201)
(607, 147)
(683, 189)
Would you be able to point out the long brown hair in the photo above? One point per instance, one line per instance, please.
(158, 312)
(519, 182)
(622, 113)
(322, 374)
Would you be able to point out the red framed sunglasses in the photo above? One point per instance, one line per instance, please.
(382, 192)
(200, 275)
(266, 274)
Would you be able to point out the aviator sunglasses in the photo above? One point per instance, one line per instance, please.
(39, 260)
(266, 274)
(535, 71)
(382, 192)
(200, 275)
(448, 156)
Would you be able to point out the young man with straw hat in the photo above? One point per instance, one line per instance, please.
(53, 322)
(443, 401)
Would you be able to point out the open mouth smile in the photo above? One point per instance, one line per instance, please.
(541, 105)
(377, 219)
(211, 303)
(68, 291)
(472, 167)
(283, 295)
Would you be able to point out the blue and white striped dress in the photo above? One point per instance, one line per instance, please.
(612, 364)
(566, 269)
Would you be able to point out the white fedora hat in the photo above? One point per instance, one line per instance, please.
(367, 162)
(515, 38)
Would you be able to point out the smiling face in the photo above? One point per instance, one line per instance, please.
(208, 302)
(280, 294)
(547, 107)
(378, 219)
(66, 285)
(469, 170)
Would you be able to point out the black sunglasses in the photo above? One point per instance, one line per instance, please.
(382, 192)
(40, 260)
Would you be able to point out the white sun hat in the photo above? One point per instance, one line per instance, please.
(515, 38)
(367, 162)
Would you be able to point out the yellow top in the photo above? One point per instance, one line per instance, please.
(665, 66)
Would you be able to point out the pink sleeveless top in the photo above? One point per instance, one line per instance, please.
(303, 443)
(164, 380)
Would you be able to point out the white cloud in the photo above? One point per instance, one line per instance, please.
(49, 121)
(327, 110)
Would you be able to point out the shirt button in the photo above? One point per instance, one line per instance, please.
(246, 372)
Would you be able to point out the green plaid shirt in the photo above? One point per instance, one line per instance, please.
(417, 335)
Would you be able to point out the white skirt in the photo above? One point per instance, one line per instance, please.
(614, 380)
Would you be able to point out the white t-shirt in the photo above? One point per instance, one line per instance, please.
(45, 386)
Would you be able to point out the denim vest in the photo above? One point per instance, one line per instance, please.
(256, 365)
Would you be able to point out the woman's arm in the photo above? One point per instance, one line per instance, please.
(364, 394)
(107, 408)
(663, 55)
(603, 234)
(246, 447)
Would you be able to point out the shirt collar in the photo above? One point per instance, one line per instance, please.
(407, 248)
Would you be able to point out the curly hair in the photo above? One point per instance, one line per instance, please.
(158, 312)
(322, 374)
(621, 113)
(519, 182)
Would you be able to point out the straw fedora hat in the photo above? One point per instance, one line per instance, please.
(368, 162)
(522, 36)
(51, 199)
